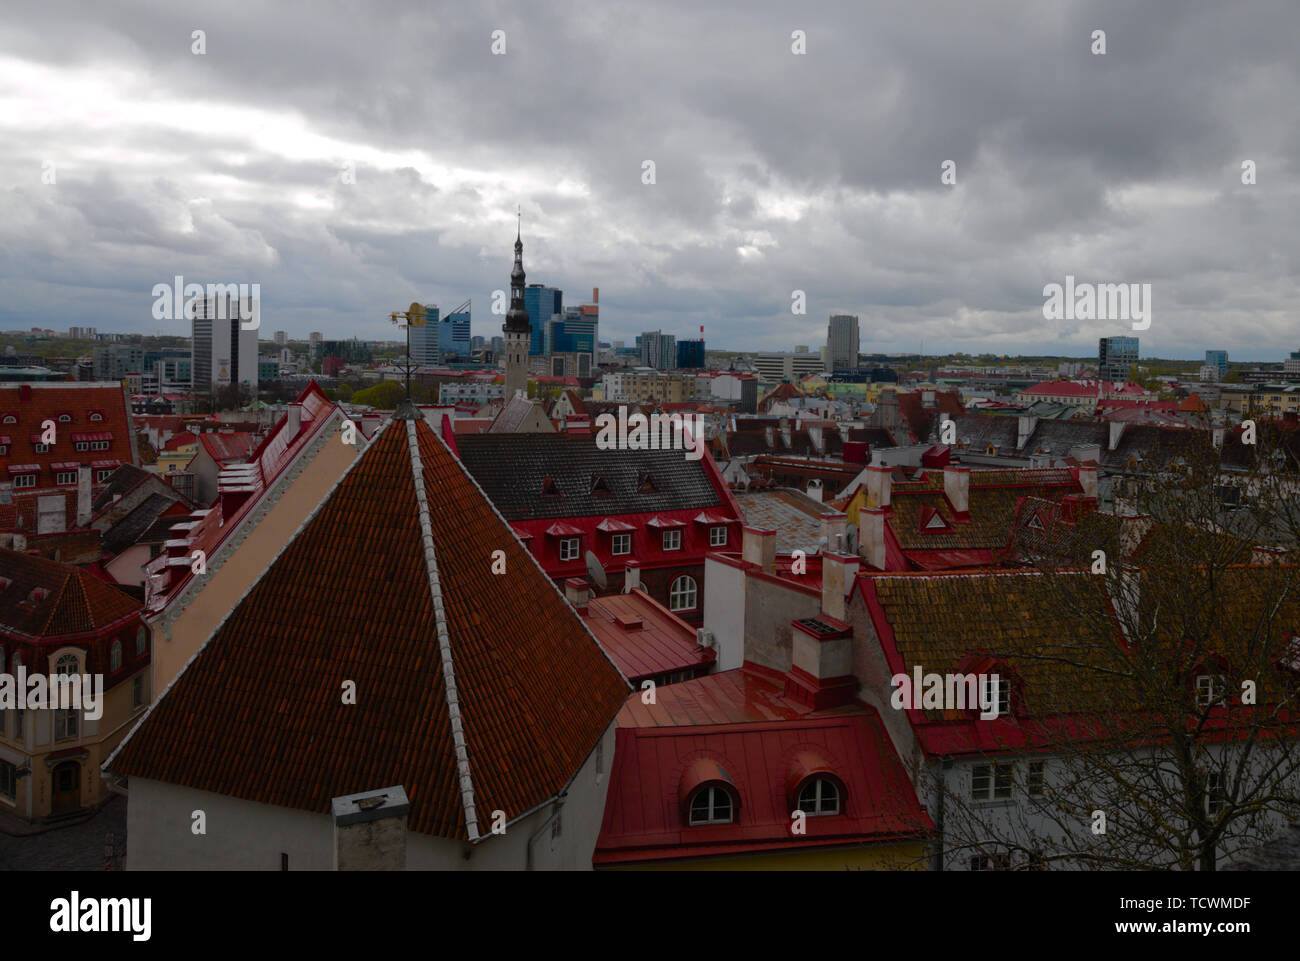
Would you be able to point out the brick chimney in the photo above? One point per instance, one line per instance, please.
(956, 485)
(577, 592)
(83, 495)
(879, 484)
(838, 572)
(871, 536)
(821, 672)
(758, 546)
(370, 830)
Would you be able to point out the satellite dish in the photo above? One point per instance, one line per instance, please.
(596, 572)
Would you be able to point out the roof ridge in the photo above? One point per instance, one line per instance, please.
(444, 639)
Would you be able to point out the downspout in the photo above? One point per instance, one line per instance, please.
(557, 805)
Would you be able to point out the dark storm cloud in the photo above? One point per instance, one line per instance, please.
(774, 172)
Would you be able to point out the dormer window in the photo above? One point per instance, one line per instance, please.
(65, 418)
(96, 416)
(1210, 689)
(996, 690)
(10, 419)
(549, 488)
(598, 485)
(819, 796)
(569, 549)
(645, 484)
(712, 805)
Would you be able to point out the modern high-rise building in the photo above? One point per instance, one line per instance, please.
(1219, 359)
(542, 303)
(439, 338)
(281, 338)
(690, 353)
(222, 351)
(842, 338)
(658, 350)
(1115, 357)
(115, 361)
(315, 340)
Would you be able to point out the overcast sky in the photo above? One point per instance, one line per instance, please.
(774, 172)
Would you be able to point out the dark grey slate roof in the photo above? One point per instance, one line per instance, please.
(129, 529)
(124, 479)
(512, 469)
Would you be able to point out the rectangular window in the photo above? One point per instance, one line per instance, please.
(81, 445)
(65, 724)
(999, 689)
(672, 540)
(1035, 785)
(620, 544)
(990, 862)
(41, 448)
(1209, 689)
(718, 536)
(65, 477)
(8, 780)
(102, 475)
(1215, 793)
(24, 480)
(569, 549)
(990, 782)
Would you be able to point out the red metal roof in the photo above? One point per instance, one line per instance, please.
(643, 637)
(737, 729)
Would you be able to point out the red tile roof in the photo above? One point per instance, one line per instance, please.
(228, 448)
(23, 408)
(43, 598)
(182, 439)
(388, 584)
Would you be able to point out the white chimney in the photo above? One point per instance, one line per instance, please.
(370, 830)
(838, 572)
(1025, 425)
(871, 536)
(879, 484)
(1088, 480)
(83, 495)
(815, 489)
(293, 420)
(833, 529)
(631, 576)
(1217, 437)
(956, 485)
(758, 546)
(577, 592)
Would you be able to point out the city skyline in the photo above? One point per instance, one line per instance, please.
(343, 196)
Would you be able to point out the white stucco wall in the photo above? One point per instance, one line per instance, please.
(244, 835)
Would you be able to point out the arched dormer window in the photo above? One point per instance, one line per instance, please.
(819, 796)
(711, 805)
(707, 794)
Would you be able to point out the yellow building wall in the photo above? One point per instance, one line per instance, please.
(907, 856)
(225, 586)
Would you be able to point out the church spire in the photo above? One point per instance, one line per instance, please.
(517, 316)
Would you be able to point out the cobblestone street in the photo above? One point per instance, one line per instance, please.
(77, 847)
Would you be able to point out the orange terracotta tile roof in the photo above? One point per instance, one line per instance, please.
(388, 584)
(44, 598)
(97, 409)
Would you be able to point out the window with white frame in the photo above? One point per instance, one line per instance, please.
(66, 722)
(997, 690)
(681, 596)
(1209, 689)
(569, 549)
(102, 475)
(1215, 793)
(819, 796)
(672, 540)
(41, 448)
(24, 480)
(65, 477)
(1034, 784)
(990, 782)
(81, 446)
(65, 418)
(620, 544)
(712, 805)
(990, 862)
(96, 415)
(718, 536)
